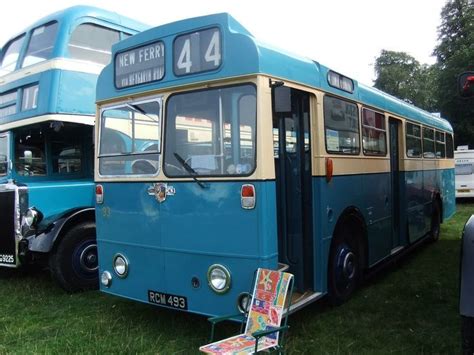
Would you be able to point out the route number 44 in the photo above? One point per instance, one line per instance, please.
(194, 45)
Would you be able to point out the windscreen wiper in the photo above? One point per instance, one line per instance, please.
(190, 170)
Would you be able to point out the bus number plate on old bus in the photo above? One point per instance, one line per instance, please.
(167, 300)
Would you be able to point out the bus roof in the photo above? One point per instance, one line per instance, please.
(72, 13)
(251, 57)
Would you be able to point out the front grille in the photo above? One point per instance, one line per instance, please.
(8, 227)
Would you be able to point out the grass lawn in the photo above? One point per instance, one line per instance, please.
(409, 308)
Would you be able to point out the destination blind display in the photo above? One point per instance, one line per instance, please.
(140, 65)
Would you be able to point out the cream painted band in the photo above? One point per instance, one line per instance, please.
(426, 164)
(57, 63)
(87, 120)
(343, 164)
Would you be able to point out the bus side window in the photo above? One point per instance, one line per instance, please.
(92, 43)
(449, 146)
(341, 125)
(413, 140)
(428, 143)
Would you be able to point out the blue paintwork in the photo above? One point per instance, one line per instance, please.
(55, 197)
(62, 92)
(172, 242)
(212, 229)
(259, 58)
(66, 91)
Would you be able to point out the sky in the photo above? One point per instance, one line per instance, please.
(345, 35)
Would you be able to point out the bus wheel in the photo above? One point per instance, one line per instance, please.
(435, 222)
(74, 263)
(344, 266)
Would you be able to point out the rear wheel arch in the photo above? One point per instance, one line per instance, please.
(353, 217)
(347, 256)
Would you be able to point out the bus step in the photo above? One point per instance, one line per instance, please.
(300, 300)
(283, 267)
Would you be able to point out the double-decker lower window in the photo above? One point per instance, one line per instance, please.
(4, 144)
(211, 132)
(30, 152)
(130, 139)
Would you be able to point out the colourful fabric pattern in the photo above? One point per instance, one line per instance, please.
(237, 345)
(266, 312)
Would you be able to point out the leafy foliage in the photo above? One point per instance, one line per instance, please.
(401, 75)
(434, 88)
(455, 54)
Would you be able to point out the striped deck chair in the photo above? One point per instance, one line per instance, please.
(264, 318)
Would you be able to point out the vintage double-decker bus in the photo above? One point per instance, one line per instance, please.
(48, 76)
(217, 154)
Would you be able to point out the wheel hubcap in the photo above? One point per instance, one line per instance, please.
(346, 266)
(88, 258)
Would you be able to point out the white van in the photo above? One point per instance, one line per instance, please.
(464, 158)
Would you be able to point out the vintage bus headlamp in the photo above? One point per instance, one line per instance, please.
(106, 279)
(120, 265)
(218, 278)
(32, 217)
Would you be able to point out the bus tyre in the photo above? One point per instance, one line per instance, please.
(74, 263)
(344, 266)
(435, 222)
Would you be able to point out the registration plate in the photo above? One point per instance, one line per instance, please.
(167, 300)
(464, 190)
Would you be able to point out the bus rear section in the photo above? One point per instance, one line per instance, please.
(464, 159)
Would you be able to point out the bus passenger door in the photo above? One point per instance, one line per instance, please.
(292, 153)
(395, 183)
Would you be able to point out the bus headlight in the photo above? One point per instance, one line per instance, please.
(120, 265)
(32, 217)
(218, 278)
(106, 279)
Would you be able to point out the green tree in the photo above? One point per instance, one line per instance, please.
(455, 54)
(401, 75)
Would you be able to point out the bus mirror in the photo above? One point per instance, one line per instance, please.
(466, 84)
(282, 99)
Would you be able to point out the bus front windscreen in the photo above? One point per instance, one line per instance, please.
(11, 55)
(211, 132)
(41, 44)
(130, 139)
(4, 142)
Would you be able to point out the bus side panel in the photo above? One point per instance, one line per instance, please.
(75, 93)
(414, 204)
(430, 187)
(170, 243)
(448, 192)
(54, 197)
(370, 195)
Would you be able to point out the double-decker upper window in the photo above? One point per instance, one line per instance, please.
(341, 123)
(211, 132)
(11, 55)
(130, 139)
(92, 43)
(41, 44)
